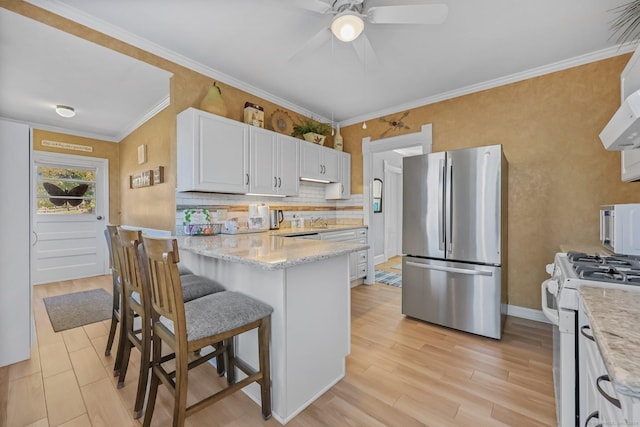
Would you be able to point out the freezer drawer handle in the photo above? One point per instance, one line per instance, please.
(615, 402)
(451, 269)
(583, 331)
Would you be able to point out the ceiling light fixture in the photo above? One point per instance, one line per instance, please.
(65, 111)
(347, 26)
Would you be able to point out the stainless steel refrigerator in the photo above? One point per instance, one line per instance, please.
(454, 238)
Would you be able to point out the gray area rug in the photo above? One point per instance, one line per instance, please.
(78, 309)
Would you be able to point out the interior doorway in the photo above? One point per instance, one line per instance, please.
(422, 139)
(70, 210)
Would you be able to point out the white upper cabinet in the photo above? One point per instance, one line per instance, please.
(319, 163)
(631, 165)
(630, 83)
(288, 166)
(341, 189)
(213, 153)
(275, 163)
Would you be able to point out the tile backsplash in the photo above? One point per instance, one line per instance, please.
(309, 203)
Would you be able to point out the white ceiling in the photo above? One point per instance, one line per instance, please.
(250, 43)
(41, 67)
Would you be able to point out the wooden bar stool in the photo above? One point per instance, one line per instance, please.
(115, 262)
(188, 327)
(136, 303)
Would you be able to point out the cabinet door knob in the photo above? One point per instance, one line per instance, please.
(279, 182)
(247, 179)
(99, 217)
(275, 182)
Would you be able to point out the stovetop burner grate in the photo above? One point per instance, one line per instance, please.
(623, 269)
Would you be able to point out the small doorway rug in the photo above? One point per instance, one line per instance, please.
(78, 309)
(387, 278)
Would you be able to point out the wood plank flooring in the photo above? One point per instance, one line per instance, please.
(401, 372)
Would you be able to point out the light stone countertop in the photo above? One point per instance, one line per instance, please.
(292, 232)
(264, 250)
(614, 316)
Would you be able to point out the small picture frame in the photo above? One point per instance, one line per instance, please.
(142, 154)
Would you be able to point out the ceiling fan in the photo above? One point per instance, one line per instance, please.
(349, 17)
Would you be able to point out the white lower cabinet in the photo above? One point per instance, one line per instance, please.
(600, 404)
(357, 260)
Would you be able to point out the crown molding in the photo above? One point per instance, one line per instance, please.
(61, 9)
(534, 72)
(139, 122)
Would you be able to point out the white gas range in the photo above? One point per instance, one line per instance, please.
(560, 303)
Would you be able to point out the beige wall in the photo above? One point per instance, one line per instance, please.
(559, 172)
(101, 149)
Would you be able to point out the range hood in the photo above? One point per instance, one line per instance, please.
(623, 130)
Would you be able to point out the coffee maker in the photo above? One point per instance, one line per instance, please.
(276, 216)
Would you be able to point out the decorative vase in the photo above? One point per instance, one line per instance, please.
(337, 140)
(213, 101)
(314, 137)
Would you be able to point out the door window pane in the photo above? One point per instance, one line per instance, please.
(61, 190)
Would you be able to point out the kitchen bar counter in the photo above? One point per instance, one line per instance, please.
(614, 316)
(308, 285)
(265, 250)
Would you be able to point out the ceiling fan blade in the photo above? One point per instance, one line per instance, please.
(310, 47)
(364, 50)
(313, 5)
(408, 14)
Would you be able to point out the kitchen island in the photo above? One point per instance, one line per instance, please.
(307, 284)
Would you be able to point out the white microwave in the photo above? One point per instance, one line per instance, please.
(620, 228)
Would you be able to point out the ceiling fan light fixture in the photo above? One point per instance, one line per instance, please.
(65, 111)
(347, 26)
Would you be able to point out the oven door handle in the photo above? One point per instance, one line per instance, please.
(549, 312)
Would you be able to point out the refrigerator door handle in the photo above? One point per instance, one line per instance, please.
(441, 197)
(449, 204)
(451, 269)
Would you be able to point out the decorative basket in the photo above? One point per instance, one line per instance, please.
(202, 229)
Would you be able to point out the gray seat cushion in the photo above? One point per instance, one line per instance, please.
(220, 312)
(197, 286)
(183, 271)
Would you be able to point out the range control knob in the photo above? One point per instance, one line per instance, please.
(550, 268)
(552, 287)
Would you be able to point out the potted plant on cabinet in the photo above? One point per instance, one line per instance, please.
(311, 131)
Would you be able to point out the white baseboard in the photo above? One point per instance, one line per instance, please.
(526, 313)
(379, 259)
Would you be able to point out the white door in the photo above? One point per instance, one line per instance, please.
(393, 205)
(70, 214)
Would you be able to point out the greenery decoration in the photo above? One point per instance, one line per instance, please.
(307, 125)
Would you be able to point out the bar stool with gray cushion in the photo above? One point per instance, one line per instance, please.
(115, 263)
(136, 302)
(187, 327)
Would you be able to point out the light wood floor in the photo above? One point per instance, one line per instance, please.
(401, 372)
